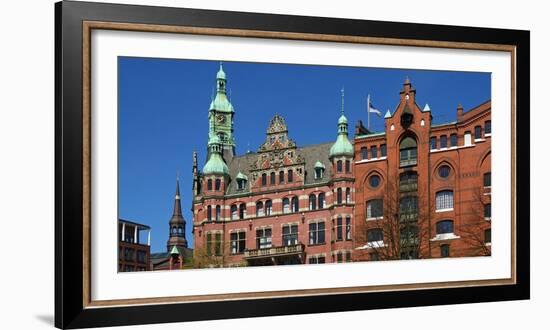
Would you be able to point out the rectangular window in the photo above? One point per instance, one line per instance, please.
(348, 166)
(348, 256)
(487, 235)
(364, 153)
(454, 140)
(487, 179)
(290, 235)
(263, 238)
(445, 250)
(487, 211)
(444, 200)
(443, 141)
(467, 138)
(408, 208)
(218, 243)
(317, 233)
(373, 152)
(433, 143)
(339, 229)
(383, 150)
(348, 228)
(238, 242)
(487, 127)
(339, 257)
(374, 256)
(408, 157)
(141, 256)
(209, 244)
(375, 208)
(317, 260)
(375, 235)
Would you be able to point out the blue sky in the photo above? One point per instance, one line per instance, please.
(163, 117)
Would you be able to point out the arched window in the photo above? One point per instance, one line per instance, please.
(281, 177)
(477, 132)
(286, 205)
(339, 166)
(312, 202)
(264, 179)
(373, 152)
(348, 195)
(218, 212)
(209, 184)
(444, 200)
(321, 200)
(294, 206)
(241, 184)
(407, 152)
(454, 140)
(209, 213)
(348, 166)
(339, 234)
(259, 209)
(290, 176)
(242, 211)
(268, 207)
(339, 196)
(234, 212)
(433, 143)
(443, 141)
(218, 184)
(364, 153)
(272, 178)
(444, 227)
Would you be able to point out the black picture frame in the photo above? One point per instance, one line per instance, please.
(70, 311)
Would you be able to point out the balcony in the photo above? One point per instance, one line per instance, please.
(280, 255)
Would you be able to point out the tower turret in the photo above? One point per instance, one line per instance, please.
(220, 117)
(177, 223)
(342, 146)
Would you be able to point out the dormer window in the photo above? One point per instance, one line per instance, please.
(319, 170)
(241, 184)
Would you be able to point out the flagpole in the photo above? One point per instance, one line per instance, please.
(368, 112)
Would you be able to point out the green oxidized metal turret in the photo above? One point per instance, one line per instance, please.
(342, 146)
(221, 102)
(215, 163)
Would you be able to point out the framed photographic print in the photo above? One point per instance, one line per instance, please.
(258, 164)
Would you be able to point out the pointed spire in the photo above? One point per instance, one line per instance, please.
(342, 100)
(388, 114)
(174, 250)
(427, 108)
(177, 198)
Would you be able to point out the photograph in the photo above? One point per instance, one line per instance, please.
(241, 164)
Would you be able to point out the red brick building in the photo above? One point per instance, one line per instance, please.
(416, 190)
(133, 251)
(423, 190)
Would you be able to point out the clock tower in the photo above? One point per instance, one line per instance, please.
(220, 117)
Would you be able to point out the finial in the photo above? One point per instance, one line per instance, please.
(221, 65)
(407, 81)
(248, 147)
(177, 175)
(342, 100)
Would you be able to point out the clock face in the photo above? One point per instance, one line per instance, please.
(220, 118)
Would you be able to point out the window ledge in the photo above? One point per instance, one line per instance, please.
(479, 140)
(444, 210)
(370, 160)
(487, 218)
(487, 135)
(444, 237)
(375, 218)
(372, 245)
(317, 244)
(488, 244)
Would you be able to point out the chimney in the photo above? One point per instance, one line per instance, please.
(459, 110)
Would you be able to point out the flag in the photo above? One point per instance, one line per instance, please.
(372, 109)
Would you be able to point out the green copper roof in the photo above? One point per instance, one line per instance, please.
(318, 164)
(241, 176)
(221, 73)
(342, 147)
(215, 165)
(174, 250)
(343, 119)
(221, 103)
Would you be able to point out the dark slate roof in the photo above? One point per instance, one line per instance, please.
(311, 154)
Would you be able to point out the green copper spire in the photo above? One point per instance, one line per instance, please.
(221, 102)
(215, 163)
(342, 146)
(220, 117)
